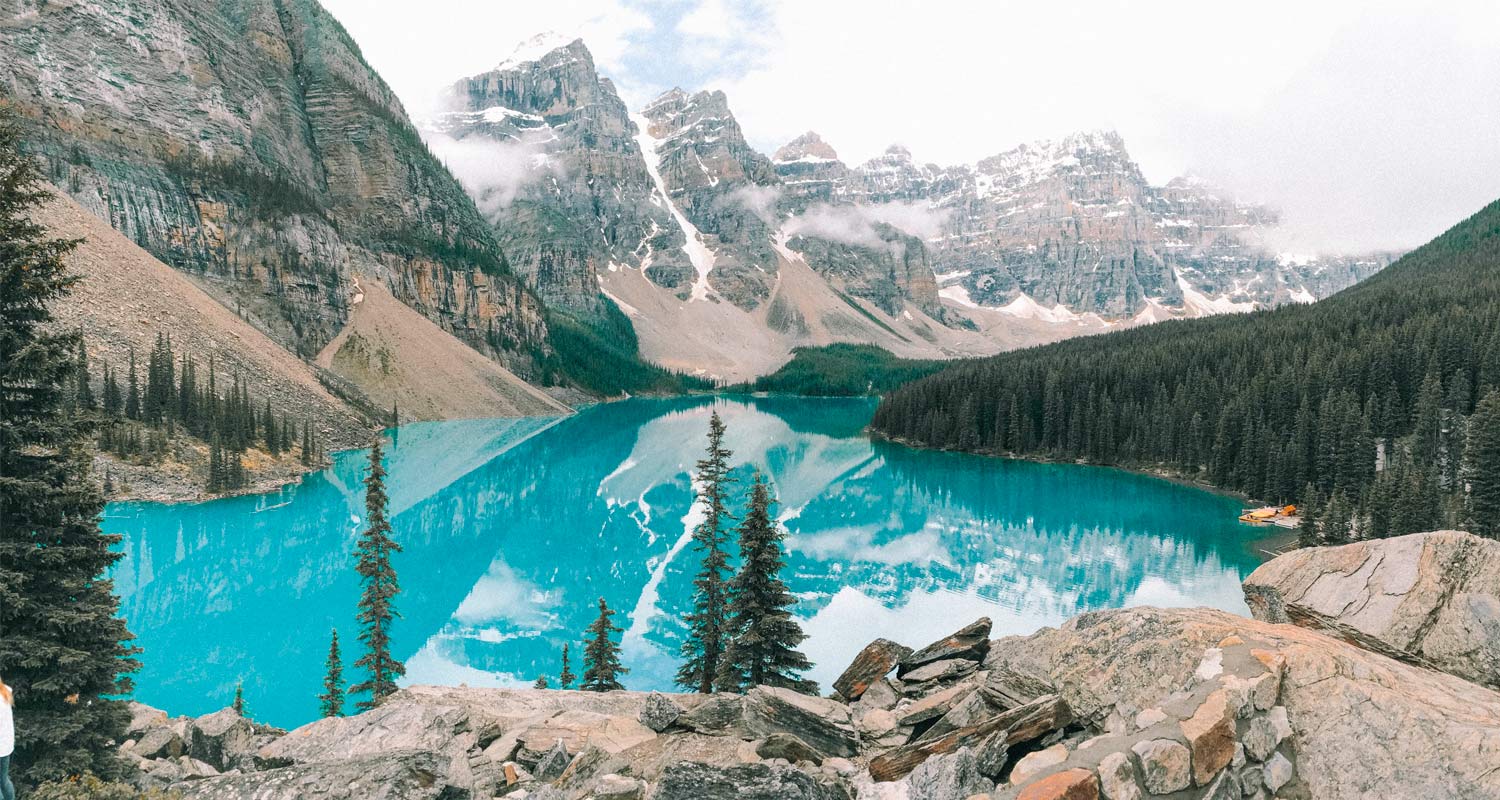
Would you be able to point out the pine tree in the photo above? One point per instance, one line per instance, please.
(239, 699)
(112, 398)
(541, 682)
(81, 378)
(216, 478)
(377, 609)
(566, 677)
(1337, 514)
(63, 647)
(272, 436)
(132, 391)
(307, 444)
(1482, 467)
(331, 701)
(709, 619)
(601, 656)
(762, 650)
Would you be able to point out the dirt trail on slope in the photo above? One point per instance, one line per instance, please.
(396, 356)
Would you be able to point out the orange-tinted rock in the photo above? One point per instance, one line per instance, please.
(873, 663)
(1210, 735)
(1071, 784)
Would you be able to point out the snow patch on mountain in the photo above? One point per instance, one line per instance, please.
(698, 253)
(1202, 305)
(535, 49)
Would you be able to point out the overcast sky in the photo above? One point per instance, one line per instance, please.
(1370, 124)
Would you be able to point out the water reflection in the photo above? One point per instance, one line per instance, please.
(512, 528)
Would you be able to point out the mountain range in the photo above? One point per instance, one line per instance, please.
(690, 231)
(538, 221)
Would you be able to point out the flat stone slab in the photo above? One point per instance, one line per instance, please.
(1431, 599)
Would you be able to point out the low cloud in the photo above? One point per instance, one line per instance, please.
(759, 200)
(855, 224)
(492, 172)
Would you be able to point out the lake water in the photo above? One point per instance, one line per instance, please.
(512, 528)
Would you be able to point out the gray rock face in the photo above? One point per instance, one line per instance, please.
(788, 747)
(969, 643)
(1074, 222)
(225, 740)
(1365, 727)
(719, 182)
(574, 194)
(410, 775)
(1428, 598)
(717, 714)
(659, 712)
(952, 776)
(810, 172)
(825, 724)
(693, 781)
(161, 742)
(551, 766)
(273, 163)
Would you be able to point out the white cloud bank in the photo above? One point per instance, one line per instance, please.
(855, 224)
(492, 172)
(1371, 123)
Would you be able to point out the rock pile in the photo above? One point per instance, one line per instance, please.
(1114, 705)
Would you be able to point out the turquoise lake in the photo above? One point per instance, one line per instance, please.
(512, 528)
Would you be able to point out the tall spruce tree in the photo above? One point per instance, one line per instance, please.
(601, 656)
(63, 647)
(566, 677)
(331, 701)
(762, 649)
(1482, 467)
(239, 698)
(377, 601)
(81, 378)
(708, 621)
(307, 444)
(132, 391)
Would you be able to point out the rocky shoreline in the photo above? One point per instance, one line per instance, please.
(1372, 693)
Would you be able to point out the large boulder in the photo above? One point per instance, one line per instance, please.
(956, 775)
(873, 663)
(225, 739)
(1428, 598)
(970, 643)
(389, 727)
(397, 775)
(659, 712)
(158, 742)
(693, 781)
(445, 731)
(1364, 726)
(826, 725)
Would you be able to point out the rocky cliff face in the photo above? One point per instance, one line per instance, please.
(721, 186)
(248, 143)
(560, 174)
(1073, 222)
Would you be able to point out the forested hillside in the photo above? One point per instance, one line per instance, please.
(1362, 405)
(844, 370)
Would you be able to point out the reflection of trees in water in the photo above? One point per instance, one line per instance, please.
(512, 528)
(1053, 538)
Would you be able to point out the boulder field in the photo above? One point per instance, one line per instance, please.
(1368, 673)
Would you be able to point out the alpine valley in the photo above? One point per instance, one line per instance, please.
(583, 247)
(725, 260)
